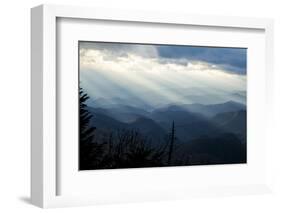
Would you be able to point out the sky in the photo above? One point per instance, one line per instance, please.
(155, 75)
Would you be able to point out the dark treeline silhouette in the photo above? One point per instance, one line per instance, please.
(122, 149)
(129, 148)
(90, 152)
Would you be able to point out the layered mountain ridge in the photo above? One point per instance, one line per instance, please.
(191, 120)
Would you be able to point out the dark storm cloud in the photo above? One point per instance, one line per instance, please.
(230, 59)
(121, 49)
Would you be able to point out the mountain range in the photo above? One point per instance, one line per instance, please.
(191, 121)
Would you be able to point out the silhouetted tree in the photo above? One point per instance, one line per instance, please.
(86, 131)
(89, 151)
(171, 145)
(130, 149)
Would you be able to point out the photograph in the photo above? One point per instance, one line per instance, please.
(161, 105)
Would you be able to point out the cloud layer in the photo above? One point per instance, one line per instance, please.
(229, 59)
(158, 74)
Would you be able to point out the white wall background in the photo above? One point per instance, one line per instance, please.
(15, 103)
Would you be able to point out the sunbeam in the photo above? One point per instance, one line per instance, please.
(154, 81)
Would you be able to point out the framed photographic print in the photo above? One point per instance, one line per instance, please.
(130, 106)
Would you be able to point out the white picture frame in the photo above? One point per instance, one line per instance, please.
(44, 149)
